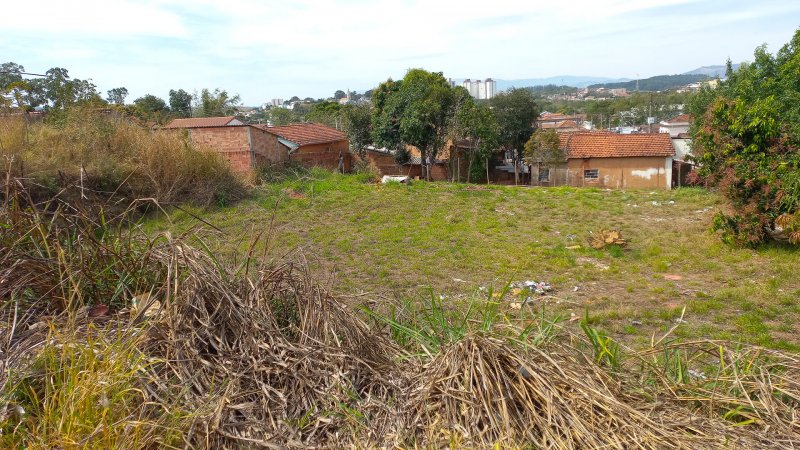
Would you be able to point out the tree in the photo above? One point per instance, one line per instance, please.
(150, 107)
(544, 149)
(216, 103)
(180, 102)
(516, 111)
(117, 95)
(325, 112)
(747, 142)
(415, 111)
(476, 125)
(338, 95)
(281, 116)
(356, 121)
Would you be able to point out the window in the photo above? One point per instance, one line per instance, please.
(544, 174)
(591, 174)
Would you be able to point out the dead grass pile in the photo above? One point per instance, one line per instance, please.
(273, 362)
(481, 392)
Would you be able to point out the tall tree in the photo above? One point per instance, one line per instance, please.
(117, 95)
(516, 110)
(180, 102)
(216, 103)
(747, 142)
(150, 107)
(338, 95)
(356, 121)
(474, 126)
(417, 113)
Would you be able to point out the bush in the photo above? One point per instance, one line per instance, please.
(747, 141)
(105, 155)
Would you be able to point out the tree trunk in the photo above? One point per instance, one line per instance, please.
(487, 170)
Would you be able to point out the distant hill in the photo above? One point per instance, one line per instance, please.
(711, 71)
(560, 80)
(656, 83)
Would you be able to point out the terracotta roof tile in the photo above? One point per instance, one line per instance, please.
(683, 118)
(567, 124)
(613, 145)
(202, 122)
(306, 133)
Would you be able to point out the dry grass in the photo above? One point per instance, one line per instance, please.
(95, 155)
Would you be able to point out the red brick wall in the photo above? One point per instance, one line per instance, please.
(324, 155)
(231, 142)
(266, 148)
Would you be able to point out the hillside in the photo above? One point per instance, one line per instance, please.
(656, 83)
(711, 71)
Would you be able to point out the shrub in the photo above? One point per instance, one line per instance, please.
(747, 141)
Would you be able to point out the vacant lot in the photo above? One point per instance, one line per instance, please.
(404, 241)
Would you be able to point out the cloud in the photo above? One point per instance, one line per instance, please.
(270, 48)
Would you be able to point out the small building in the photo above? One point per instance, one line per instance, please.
(610, 160)
(675, 126)
(246, 147)
(312, 144)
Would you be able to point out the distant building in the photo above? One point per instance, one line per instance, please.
(277, 102)
(481, 90)
(675, 126)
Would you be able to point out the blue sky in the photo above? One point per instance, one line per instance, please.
(263, 49)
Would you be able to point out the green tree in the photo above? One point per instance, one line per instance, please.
(475, 125)
(544, 149)
(416, 112)
(325, 112)
(338, 95)
(150, 107)
(747, 142)
(216, 103)
(516, 110)
(356, 121)
(281, 116)
(180, 102)
(117, 95)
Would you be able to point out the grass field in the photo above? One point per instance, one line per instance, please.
(398, 241)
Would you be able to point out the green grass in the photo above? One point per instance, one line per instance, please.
(402, 240)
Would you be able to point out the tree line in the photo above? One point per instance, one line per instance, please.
(55, 91)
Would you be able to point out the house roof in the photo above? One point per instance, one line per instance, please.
(305, 133)
(203, 122)
(568, 124)
(613, 145)
(683, 118)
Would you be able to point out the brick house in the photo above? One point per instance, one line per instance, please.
(312, 144)
(610, 160)
(246, 147)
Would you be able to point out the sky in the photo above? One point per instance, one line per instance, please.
(264, 49)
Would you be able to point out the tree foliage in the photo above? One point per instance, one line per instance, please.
(516, 110)
(180, 102)
(475, 126)
(216, 103)
(747, 141)
(415, 111)
(117, 96)
(544, 147)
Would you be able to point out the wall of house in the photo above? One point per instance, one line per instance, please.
(324, 155)
(244, 147)
(622, 173)
(231, 142)
(266, 148)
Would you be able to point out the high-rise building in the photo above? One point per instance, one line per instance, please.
(490, 87)
(481, 90)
